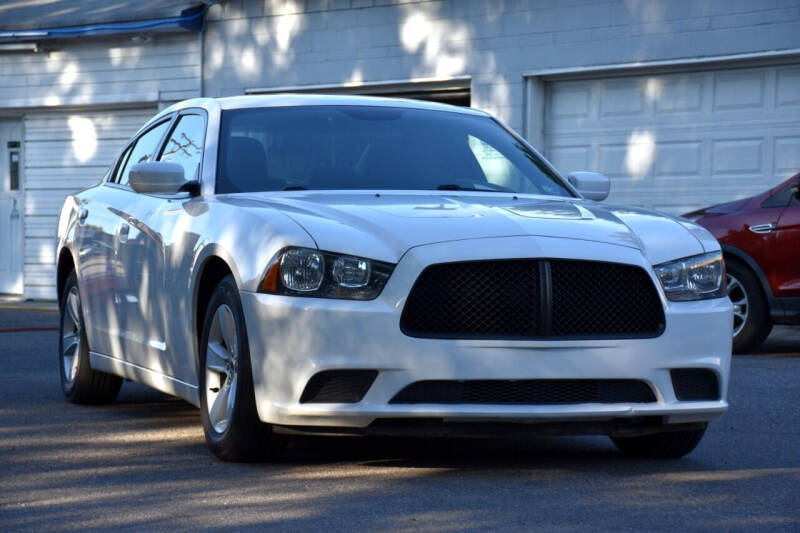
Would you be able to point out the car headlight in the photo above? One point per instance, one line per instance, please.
(310, 272)
(693, 278)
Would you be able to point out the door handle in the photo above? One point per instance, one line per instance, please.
(124, 229)
(761, 229)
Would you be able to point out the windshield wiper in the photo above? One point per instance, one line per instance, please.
(295, 188)
(457, 187)
(454, 187)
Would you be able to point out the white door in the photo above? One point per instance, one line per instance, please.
(679, 141)
(11, 210)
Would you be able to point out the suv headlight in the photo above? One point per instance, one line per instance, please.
(699, 277)
(310, 272)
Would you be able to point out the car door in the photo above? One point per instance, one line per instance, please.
(153, 230)
(114, 315)
(787, 249)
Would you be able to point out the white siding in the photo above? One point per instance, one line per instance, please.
(166, 69)
(64, 153)
(80, 103)
(680, 141)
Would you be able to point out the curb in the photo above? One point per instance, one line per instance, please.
(28, 308)
(33, 328)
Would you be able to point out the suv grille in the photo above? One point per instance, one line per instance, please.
(533, 299)
(527, 391)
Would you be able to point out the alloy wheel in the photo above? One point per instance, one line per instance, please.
(71, 332)
(740, 303)
(222, 359)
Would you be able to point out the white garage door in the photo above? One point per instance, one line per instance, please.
(64, 152)
(679, 141)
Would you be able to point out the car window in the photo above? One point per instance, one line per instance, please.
(372, 147)
(185, 145)
(143, 150)
(496, 167)
(120, 165)
(783, 197)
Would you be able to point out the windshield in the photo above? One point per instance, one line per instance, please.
(363, 147)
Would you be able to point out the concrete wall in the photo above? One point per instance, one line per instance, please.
(273, 43)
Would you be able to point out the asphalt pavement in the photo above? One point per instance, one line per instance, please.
(142, 464)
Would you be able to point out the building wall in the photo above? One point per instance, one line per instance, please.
(272, 43)
(78, 105)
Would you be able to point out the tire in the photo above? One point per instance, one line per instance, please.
(666, 445)
(752, 323)
(231, 425)
(79, 382)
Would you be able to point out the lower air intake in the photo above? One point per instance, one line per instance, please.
(338, 386)
(695, 384)
(526, 392)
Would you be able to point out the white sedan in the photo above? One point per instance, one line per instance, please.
(358, 265)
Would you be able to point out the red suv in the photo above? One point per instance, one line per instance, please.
(760, 237)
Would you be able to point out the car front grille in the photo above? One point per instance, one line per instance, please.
(533, 299)
(526, 392)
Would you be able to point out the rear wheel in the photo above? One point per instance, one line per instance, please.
(79, 382)
(666, 445)
(227, 401)
(751, 320)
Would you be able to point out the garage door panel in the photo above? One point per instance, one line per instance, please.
(678, 159)
(574, 157)
(787, 90)
(739, 90)
(787, 155)
(676, 139)
(571, 102)
(622, 98)
(676, 94)
(740, 157)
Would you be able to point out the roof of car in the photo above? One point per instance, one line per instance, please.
(295, 100)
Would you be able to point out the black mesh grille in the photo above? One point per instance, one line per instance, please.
(338, 386)
(533, 299)
(603, 299)
(528, 391)
(695, 384)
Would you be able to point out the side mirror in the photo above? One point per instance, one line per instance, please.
(591, 185)
(157, 177)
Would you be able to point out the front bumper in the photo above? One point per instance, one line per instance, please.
(291, 339)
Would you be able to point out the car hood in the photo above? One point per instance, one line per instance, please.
(385, 225)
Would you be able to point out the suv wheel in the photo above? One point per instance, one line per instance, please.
(751, 320)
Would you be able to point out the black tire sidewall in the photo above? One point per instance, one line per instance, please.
(71, 389)
(239, 434)
(758, 323)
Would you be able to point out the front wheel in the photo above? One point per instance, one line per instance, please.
(79, 382)
(227, 401)
(665, 445)
(751, 321)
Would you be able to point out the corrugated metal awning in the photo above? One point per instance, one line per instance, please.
(32, 20)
